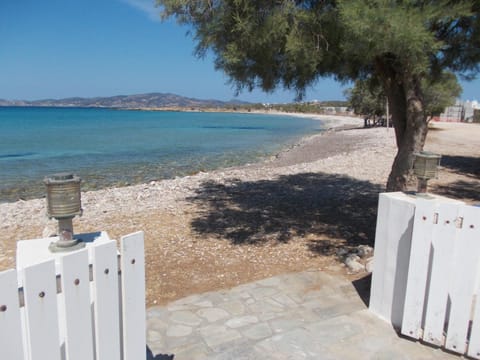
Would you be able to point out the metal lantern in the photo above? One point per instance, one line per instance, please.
(425, 167)
(63, 204)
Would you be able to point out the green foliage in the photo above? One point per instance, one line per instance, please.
(293, 44)
(309, 107)
(368, 98)
(439, 94)
(320, 107)
(263, 43)
(399, 30)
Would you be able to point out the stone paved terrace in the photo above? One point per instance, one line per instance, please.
(308, 315)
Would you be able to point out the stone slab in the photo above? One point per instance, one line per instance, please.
(308, 315)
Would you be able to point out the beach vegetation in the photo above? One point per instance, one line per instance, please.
(368, 98)
(311, 107)
(439, 95)
(405, 45)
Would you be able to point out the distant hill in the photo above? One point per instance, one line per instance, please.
(151, 100)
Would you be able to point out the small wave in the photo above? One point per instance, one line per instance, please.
(16, 155)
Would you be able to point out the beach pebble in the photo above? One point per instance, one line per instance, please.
(353, 264)
(364, 251)
(341, 252)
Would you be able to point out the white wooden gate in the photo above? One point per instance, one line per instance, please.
(439, 298)
(89, 311)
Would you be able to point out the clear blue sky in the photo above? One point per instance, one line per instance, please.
(65, 48)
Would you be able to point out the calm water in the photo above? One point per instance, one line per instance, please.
(112, 147)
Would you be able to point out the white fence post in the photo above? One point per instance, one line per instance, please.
(57, 309)
(10, 322)
(418, 268)
(464, 276)
(392, 249)
(41, 316)
(76, 297)
(106, 301)
(133, 296)
(443, 238)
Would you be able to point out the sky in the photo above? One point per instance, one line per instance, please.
(87, 48)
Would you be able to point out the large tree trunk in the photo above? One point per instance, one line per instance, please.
(406, 104)
(411, 128)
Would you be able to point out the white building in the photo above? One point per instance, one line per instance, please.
(461, 111)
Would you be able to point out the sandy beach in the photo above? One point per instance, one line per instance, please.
(291, 212)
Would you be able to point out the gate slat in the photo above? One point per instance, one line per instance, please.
(464, 275)
(78, 315)
(40, 291)
(400, 234)
(133, 296)
(474, 342)
(11, 343)
(392, 248)
(418, 268)
(106, 301)
(378, 276)
(443, 238)
(471, 226)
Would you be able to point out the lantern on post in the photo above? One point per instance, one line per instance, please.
(425, 167)
(63, 204)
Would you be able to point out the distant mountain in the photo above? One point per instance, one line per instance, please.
(152, 100)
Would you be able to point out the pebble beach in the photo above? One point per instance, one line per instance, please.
(215, 230)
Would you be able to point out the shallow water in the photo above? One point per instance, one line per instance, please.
(108, 147)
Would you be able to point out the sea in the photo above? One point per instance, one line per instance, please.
(109, 147)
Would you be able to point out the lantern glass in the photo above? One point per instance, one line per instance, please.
(63, 196)
(426, 164)
(63, 204)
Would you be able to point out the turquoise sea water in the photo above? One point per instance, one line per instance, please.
(108, 147)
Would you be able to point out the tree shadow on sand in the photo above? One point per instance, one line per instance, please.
(467, 187)
(462, 190)
(465, 165)
(333, 206)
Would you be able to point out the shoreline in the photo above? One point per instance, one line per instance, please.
(293, 212)
(28, 189)
(26, 219)
(230, 226)
(332, 123)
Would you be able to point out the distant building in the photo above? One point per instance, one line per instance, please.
(470, 107)
(462, 111)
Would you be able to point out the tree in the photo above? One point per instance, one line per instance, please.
(405, 44)
(440, 94)
(367, 97)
